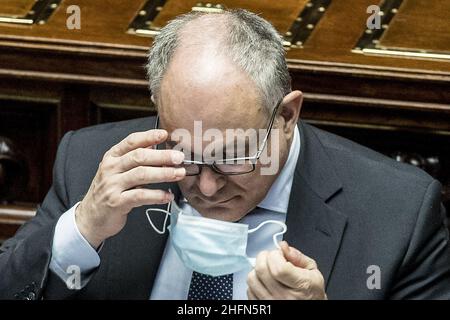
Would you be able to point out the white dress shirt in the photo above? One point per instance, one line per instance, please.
(173, 278)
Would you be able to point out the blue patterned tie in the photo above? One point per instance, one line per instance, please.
(205, 287)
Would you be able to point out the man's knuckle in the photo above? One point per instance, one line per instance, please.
(141, 175)
(111, 201)
(260, 265)
(318, 282)
(281, 272)
(258, 268)
(101, 165)
(168, 156)
(313, 264)
(307, 287)
(114, 151)
(138, 195)
(163, 199)
(99, 175)
(106, 164)
(251, 278)
(139, 156)
(320, 279)
(169, 173)
(131, 140)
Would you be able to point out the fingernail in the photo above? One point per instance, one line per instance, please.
(180, 172)
(161, 134)
(177, 157)
(170, 196)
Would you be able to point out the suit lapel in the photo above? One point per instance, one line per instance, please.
(314, 226)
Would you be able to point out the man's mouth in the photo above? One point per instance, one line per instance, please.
(217, 202)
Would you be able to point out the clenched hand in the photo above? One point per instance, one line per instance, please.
(285, 274)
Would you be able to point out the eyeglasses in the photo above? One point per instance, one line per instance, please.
(231, 166)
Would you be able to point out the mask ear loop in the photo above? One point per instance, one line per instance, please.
(276, 234)
(167, 212)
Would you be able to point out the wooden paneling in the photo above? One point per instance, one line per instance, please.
(280, 13)
(420, 19)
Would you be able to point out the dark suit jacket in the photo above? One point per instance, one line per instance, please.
(350, 208)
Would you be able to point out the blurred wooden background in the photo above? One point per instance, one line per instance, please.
(387, 88)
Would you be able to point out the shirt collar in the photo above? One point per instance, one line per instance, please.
(277, 199)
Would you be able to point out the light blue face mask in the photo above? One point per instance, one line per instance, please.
(209, 246)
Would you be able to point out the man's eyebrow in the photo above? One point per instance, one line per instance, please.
(238, 141)
(244, 151)
(229, 150)
(171, 144)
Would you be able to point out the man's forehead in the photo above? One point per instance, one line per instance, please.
(205, 82)
(229, 135)
(193, 133)
(212, 123)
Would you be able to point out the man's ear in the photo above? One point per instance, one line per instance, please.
(290, 112)
(153, 99)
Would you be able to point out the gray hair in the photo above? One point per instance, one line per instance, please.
(252, 43)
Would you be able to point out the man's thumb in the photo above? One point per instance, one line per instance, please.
(297, 258)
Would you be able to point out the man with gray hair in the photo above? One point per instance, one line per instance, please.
(354, 224)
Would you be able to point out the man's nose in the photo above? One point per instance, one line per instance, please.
(210, 182)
